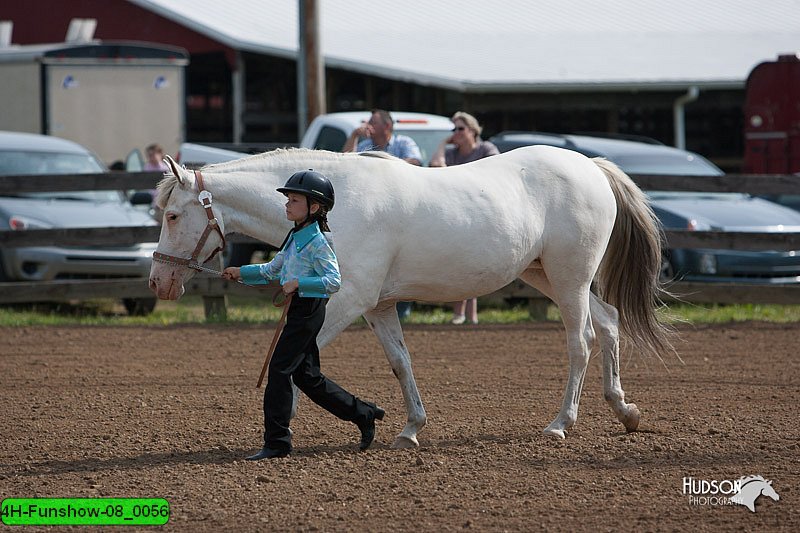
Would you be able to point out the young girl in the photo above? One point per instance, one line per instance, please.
(307, 265)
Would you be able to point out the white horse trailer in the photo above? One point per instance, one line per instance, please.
(111, 97)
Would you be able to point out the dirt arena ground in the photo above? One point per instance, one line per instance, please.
(170, 412)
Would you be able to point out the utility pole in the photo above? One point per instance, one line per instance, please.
(310, 67)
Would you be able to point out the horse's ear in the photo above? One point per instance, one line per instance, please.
(175, 168)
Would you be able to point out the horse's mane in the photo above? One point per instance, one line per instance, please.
(253, 162)
(274, 157)
(265, 160)
(378, 154)
(165, 188)
(745, 480)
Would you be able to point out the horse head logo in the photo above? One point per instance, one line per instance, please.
(751, 488)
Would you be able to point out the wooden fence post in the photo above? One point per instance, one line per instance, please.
(537, 307)
(215, 305)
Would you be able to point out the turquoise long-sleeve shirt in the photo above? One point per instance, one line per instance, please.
(307, 257)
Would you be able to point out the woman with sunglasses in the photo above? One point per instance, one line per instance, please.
(466, 146)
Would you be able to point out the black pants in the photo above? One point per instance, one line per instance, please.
(296, 358)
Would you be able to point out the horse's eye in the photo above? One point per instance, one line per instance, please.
(172, 217)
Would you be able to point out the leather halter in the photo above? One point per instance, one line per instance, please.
(204, 197)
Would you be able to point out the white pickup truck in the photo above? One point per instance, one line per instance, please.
(329, 132)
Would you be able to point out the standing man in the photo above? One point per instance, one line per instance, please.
(377, 135)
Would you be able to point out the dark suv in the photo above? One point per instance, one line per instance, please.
(633, 154)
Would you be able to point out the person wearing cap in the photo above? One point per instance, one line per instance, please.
(305, 265)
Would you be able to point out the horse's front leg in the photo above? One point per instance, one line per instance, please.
(386, 326)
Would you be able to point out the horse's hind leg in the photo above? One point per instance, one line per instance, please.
(386, 326)
(573, 302)
(606, 322)
(341, 311)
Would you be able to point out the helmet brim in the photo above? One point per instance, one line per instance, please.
(316, 197)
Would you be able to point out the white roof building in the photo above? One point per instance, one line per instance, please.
(516, 45)
(628, 66)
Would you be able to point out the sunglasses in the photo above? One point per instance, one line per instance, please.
(459, 128)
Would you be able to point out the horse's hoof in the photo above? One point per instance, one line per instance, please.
(555, 432)
(402, 442)
(631, 419)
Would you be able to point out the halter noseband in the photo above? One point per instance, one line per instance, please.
(213, 225)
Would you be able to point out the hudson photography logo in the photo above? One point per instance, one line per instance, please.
(743, 491)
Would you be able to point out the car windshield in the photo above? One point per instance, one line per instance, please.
(33, 163)
(681, 195)
(668, 164)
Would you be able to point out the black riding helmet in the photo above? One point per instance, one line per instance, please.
(313, 185)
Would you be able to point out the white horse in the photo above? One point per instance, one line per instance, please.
(551, 217)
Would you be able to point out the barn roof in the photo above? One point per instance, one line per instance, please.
(524, 45)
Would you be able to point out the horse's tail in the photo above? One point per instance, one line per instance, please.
(628, 277)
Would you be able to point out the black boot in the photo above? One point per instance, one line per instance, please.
(268, 453)
(368, 426)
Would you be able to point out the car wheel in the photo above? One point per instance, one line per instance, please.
(139, 306)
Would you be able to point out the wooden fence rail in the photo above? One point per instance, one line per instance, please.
(217, 288)
(749, 183)
(132, 235)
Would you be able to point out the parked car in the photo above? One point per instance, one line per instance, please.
(691, 211)
(727, 212)
(634, 157)
(31, 154)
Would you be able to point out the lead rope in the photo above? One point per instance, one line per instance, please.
(276, 301)
(278, 330)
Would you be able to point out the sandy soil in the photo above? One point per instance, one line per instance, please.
(171, 412)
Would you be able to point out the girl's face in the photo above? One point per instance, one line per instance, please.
(297, 207)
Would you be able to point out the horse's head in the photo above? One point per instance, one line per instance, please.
(767, 490)
(191, 231)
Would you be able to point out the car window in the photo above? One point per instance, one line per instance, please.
(789, 200)
(134, 161)
(33, 163)
(331, 139)
(668, 164)
(427, 140)
(684, 195)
